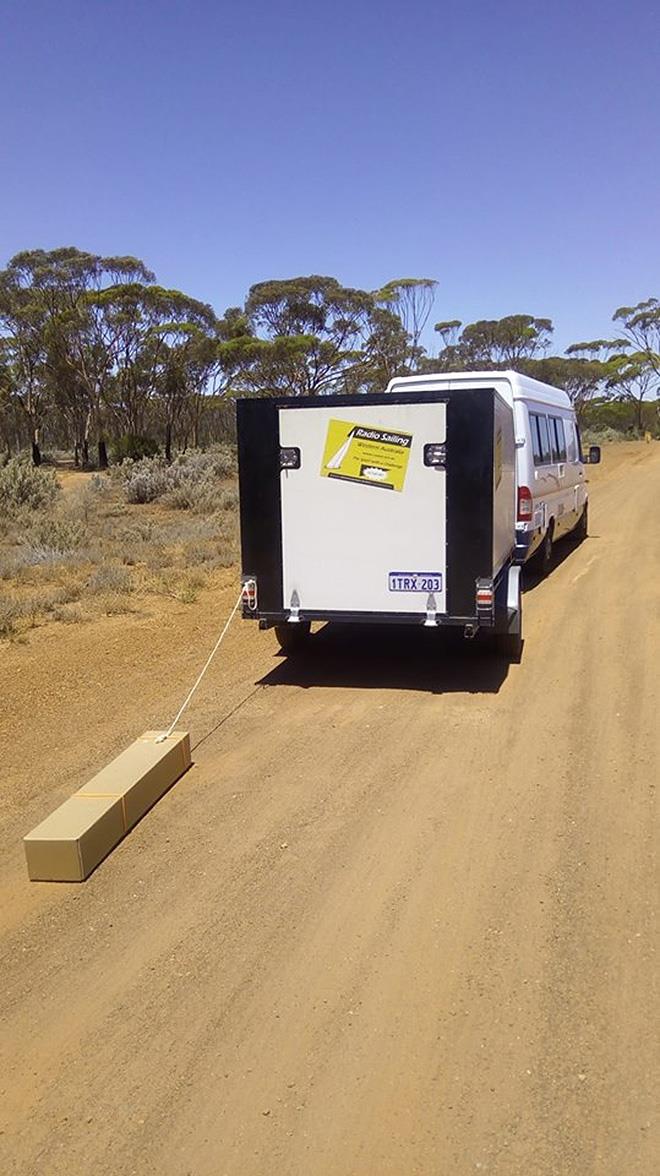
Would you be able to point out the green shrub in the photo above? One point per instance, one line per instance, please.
(191, 482)
(49, 540)
(132, 446)
(23, 485)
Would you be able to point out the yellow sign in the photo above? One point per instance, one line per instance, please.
(370, 456)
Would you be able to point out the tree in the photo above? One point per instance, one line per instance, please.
(411, 299)
(144, 322)
(386, 353)
(491, 343)
(52, 311)
(312, 327)
(632, 378)
(632, 359)
(581, 378)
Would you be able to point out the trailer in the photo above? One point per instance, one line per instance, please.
(397, 508)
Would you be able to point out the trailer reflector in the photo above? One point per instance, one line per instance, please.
(290, 458)
(250, 594)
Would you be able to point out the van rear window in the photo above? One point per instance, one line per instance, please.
(536, 440)
(544, 439)
(548, 439)
(557, 439)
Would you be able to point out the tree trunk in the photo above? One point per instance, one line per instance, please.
(168, 442)
(76, 455)
(84, 444)
(36, 451)
(103, 454)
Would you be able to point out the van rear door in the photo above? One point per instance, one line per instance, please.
(364, 511)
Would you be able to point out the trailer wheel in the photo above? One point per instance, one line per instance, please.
(507, 639)
(293, 638)
(509, 646)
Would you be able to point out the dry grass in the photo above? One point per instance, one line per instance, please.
(89, 552)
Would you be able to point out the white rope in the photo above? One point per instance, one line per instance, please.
(166, 734)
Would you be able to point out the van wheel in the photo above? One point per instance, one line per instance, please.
(293, 638)
(545, 551)
(582, 530)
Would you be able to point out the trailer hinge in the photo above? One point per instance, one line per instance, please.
(294, 615)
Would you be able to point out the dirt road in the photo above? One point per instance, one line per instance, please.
(395, 920)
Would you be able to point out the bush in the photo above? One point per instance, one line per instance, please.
(111, 579)
(189, 483)
(132, 446)
(49, 540)
(146, 480)
(602, 436)
(23, 485)
(8, 614)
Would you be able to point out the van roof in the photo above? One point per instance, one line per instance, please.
(512, 385)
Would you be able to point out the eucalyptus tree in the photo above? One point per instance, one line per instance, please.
(411, 300)
(52, 314)
(310, 331)
(146, 323)
(632, 358)
(498, 343)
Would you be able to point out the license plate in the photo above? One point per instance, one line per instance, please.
(415, 581)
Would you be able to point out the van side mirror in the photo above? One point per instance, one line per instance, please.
(594, 455)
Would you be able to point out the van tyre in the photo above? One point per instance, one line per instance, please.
(545, 552)
(582, 529)
(293, 638)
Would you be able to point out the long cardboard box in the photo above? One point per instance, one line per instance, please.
(142, 773)
(71, 842)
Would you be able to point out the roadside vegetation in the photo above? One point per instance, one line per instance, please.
(117, 434)
(98, 360)
(76, 546)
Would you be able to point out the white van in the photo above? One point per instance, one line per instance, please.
(551, 491)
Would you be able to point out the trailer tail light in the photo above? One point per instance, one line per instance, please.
(485, 596)
(290, 458)
(525, 504)
(250, 594)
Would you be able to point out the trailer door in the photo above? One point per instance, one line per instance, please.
(363, 514)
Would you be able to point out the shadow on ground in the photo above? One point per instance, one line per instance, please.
(563, 550)
(385, 657)
(439, 661)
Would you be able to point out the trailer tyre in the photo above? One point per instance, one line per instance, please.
(509, 646)
(293, 638)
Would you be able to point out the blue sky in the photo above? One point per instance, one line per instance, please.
(511, 150)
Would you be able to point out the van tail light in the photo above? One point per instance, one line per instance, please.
(525, 504)
(250, 594)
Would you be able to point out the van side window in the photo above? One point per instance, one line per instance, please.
(571, 442)
(557, 439)
(536, 442)
(578, 438)
(544, 439)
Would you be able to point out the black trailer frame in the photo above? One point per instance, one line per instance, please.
(469, 479)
